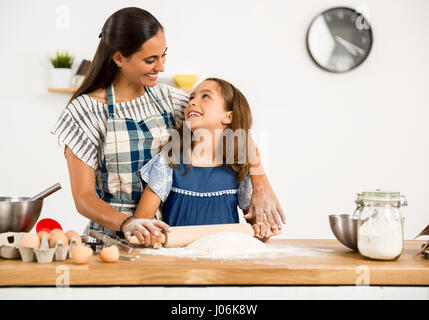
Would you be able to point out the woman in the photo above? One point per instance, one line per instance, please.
(118, 120)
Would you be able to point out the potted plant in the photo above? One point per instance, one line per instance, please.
(61, 74)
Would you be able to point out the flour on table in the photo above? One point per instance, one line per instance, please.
(229, 242)
(231, 245)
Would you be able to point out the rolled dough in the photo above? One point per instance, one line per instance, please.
(227, 242)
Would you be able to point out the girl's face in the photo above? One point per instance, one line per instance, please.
(206, 108)
(143, 66)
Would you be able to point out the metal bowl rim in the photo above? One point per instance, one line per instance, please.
(344, 216)
(17, 199)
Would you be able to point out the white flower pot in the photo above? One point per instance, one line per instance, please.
(61, 77)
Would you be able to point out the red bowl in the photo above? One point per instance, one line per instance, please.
(47, 225)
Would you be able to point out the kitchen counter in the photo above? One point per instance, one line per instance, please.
(303, 262)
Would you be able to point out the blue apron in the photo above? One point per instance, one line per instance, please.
(128, 146)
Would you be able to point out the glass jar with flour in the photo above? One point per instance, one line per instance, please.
(380, 226)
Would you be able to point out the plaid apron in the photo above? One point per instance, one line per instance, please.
(128, 146)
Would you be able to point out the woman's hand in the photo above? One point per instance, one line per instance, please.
(147, 231)
(265, 205)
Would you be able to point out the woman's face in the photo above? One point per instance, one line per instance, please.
(206, 108)
(143, 66)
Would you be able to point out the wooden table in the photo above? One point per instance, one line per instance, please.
(331, 264)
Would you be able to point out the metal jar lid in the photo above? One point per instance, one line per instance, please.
(382, 197)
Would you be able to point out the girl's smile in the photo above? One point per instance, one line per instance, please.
(194, 114)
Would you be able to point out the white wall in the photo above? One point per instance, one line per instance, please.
(325, 137)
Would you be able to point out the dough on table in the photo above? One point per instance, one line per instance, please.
(227, 242)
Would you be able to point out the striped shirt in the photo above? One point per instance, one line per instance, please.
(82, 125)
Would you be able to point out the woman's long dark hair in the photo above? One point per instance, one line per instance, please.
(124, 31)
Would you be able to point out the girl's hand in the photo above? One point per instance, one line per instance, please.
(262, 230)
(265, 205)
(147, 231)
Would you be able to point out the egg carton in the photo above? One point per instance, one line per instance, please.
(10, 249)
(9, 244)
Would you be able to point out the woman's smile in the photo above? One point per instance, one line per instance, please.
(151, 76)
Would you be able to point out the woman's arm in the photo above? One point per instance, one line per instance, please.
(82, 180)
(264, 203)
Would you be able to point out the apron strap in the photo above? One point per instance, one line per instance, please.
(156, 100)
(111, 101)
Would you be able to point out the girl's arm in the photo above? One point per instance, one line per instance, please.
(148, 204)
(146, 209)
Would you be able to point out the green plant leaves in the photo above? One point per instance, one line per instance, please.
(62, 60)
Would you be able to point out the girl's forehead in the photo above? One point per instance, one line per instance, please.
(208, 85)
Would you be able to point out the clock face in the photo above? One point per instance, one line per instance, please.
(339, 39)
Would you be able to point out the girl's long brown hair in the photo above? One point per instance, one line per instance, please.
(125, 31)
(236, 102)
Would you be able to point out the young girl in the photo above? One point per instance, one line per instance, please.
(203, 190)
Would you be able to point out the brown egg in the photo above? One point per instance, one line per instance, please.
(44, 233)
(56, 237)
(73, 234)
(54, 231)
(81, 254)
(110, 254)
(30, 240)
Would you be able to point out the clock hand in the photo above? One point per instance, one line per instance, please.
(350, 47)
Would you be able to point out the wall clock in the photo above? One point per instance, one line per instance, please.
(339, 39)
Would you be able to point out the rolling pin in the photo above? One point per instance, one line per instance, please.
(184, 235)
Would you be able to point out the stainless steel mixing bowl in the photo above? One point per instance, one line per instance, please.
(344, 227)
(19, 214)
